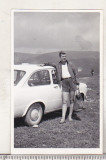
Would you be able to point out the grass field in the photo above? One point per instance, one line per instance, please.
(82, 132)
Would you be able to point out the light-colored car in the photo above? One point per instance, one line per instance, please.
(36, 92)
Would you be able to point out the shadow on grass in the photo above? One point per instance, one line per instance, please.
(57, 114)
(19, 122)
(52, 115)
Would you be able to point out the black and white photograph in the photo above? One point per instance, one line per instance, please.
(57, 78)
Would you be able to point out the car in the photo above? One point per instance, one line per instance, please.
(36, 92)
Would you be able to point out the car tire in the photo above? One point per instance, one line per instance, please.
(34, 114)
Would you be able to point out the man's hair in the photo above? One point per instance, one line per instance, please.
(61, 53)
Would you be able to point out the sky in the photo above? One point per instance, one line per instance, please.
(43, 32)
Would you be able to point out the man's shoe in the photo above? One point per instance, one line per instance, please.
(77, 118)
(79, 109)
(83, 107)
(70, 119)
(62, 121)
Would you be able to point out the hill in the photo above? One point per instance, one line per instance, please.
(84, 61)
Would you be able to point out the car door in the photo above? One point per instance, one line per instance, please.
(56, 90)
(42, 87)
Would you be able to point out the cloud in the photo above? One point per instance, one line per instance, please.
(56, 30)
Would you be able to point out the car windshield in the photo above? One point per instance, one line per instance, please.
(18, 75)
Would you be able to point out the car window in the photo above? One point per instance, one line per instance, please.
(54, 76)
(18, 75)
(39, 78)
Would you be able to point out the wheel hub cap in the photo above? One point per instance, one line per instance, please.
(34, 115)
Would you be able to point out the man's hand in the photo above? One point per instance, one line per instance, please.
(60, 83)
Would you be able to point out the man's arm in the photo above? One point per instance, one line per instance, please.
(73, 68)
(74, 71)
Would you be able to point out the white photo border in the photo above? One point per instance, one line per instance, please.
(62, 151)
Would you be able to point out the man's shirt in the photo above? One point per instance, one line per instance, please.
(65, 71)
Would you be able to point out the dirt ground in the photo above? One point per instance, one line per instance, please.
(82, 132)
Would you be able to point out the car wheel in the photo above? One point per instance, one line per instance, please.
(34, 115)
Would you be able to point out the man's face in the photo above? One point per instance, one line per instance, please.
(63, 58)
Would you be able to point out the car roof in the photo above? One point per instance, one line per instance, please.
(31, 67)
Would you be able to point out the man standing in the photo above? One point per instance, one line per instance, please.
(67, 77)
(92, 72)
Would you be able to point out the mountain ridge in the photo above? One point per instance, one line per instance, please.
(83, 60)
